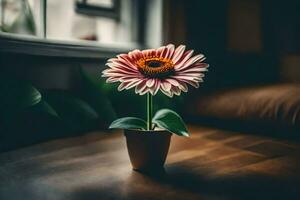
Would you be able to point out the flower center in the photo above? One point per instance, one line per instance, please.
(154, 63)
(155, 67)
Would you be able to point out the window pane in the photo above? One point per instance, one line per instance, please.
(18, 16)
(103, 3)
(63, 22)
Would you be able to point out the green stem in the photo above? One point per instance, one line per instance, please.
(149, 111)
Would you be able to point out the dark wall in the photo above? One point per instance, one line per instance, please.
(245, 41)
(281, 26)
(207, 26)
(48, 72)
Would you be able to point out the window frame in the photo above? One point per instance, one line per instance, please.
(82, 7)
(29, 45)
(39, 46)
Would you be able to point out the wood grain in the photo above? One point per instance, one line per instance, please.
(212, 165)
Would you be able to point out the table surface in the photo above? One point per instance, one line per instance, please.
(212, 165)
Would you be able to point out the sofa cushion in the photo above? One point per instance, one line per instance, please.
(277, 104)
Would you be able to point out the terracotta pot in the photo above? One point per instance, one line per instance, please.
(147, 149)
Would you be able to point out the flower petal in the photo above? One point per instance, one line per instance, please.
(172, 81)
(182, 86)
(135, 55)
(122, 86)
(178, 53)
(183, 59)
(112, 80)
(156, 86)
(164, 52)
(166, 85)
(159, 51)
(191, 75)
(167, 92)
(144, 91)
(133, 84)
(170, 52)
(141, 86)
(175, 90)
(150, 82)
(191, 61)
(194, 69)
(192, 83)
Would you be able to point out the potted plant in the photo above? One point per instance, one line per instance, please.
(166, 69)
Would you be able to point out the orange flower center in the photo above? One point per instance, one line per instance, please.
(155, 67)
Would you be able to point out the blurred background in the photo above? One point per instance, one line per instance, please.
(53, 52)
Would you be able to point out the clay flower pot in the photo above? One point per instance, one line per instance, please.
(147, 150)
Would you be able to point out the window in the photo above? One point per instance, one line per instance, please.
(109, 8)
(17, 17)
(109, 22)
(91, 20)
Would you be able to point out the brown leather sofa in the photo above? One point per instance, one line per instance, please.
(272, 109)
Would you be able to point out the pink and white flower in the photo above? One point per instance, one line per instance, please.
(166, 69)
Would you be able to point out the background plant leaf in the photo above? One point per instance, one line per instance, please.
(96, 97)
(129, 123)
(171, 121)
(74, 112)
(16, 95)
(43, 106)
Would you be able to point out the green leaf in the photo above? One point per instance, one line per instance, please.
(171, 121)
(74, 112)
(129, 123)
(17, 95)
(44, 107)
(96, 97)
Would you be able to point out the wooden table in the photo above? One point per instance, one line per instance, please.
(211, 165)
